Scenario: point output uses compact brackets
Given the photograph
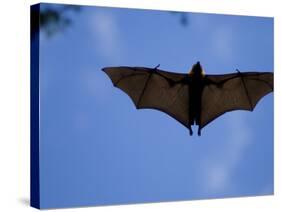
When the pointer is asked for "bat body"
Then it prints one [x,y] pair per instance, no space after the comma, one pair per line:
[193,98]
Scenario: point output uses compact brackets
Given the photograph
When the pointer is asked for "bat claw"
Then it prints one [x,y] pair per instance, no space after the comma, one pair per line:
[238,71]
[156,67]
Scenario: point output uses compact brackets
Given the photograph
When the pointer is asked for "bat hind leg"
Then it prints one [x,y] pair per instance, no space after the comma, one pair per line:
[199,131]
[190,130]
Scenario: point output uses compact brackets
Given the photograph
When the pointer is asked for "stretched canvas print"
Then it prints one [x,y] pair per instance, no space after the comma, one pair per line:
[136,106]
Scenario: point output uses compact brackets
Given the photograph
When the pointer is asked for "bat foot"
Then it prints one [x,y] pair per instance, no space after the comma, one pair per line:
[199,132]
[190,132]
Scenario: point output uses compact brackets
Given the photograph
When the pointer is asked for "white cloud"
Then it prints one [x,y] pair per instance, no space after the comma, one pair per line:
[107,35]
[222,43]
[217,177]
[200,22]
[220,170]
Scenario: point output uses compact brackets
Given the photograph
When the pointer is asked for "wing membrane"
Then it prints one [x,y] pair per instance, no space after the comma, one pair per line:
[238,91]
[154,89]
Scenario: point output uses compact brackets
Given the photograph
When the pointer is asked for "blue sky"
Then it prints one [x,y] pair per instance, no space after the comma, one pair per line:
[96,148]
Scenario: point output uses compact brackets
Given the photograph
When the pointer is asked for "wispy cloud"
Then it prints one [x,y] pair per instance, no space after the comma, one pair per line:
[220,170]
[222,43]
[218,38]
[107,35]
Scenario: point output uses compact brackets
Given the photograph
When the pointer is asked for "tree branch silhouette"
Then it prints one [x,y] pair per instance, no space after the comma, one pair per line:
[55,18]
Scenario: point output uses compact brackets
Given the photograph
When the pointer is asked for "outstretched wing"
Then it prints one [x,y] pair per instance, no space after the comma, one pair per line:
[154,89]
[237,91]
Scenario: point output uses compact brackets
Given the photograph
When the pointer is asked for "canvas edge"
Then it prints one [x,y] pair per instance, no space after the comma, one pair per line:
[34,106]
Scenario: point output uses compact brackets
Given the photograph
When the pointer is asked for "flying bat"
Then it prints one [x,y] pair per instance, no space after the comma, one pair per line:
[194,98]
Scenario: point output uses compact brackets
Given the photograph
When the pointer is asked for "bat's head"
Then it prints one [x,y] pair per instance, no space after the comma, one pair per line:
[197,70]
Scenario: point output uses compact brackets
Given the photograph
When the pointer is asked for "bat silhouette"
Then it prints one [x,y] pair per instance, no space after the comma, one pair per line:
[193,98]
